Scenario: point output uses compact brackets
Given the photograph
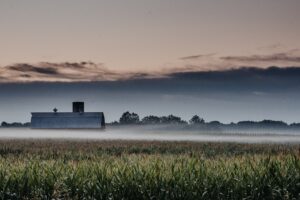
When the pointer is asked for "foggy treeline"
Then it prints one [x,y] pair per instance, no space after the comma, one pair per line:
[14,124]
[196,122]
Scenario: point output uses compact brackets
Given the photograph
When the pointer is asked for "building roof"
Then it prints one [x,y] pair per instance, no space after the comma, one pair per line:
[66,114]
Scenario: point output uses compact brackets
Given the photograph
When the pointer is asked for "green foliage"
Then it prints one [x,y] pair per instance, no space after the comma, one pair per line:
[129,118]
[196,120]
[36,169]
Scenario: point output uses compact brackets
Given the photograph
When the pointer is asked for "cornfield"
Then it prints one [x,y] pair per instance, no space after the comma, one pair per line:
[50,169]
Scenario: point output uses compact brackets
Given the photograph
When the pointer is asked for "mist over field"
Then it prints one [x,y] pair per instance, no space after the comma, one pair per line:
[157,133]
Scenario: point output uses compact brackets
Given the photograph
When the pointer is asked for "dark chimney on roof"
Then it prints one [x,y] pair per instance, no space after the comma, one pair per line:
[78,106]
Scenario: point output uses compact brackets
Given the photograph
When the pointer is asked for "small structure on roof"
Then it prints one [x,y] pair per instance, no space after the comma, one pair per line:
[78,119]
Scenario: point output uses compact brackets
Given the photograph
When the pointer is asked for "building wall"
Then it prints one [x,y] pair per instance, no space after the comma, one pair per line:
[67,120]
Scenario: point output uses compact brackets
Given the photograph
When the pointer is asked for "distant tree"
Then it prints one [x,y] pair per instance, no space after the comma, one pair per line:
[151,119]
[15,124]
[129,118]
[114,123]
[295,125]
[195,120]
[262,124]
[27,124]
[273,123]
[171,119]
[4,124]
[215,123]
[247,124]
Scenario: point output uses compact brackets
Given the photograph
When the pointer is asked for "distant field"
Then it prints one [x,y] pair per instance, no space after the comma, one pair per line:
[78,169]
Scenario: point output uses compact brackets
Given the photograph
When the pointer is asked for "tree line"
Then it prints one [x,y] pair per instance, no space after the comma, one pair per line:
[15,124]
[132,118]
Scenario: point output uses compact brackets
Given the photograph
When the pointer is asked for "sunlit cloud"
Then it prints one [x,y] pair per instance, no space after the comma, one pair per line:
[212,62]
[90,72]
[63,72]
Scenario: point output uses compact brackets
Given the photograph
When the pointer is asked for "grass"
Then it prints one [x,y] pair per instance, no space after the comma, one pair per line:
[73,169]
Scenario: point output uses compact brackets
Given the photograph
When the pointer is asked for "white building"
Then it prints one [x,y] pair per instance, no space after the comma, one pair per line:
[78,119]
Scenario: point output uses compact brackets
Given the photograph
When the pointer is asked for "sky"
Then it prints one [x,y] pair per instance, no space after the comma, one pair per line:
[151,57]
[143,34]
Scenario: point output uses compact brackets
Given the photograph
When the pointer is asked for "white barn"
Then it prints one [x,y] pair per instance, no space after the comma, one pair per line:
[78,119]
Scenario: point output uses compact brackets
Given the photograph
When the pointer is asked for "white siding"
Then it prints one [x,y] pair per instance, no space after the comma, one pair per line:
[67,120]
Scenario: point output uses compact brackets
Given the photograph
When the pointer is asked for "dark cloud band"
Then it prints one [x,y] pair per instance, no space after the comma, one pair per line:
[280,57]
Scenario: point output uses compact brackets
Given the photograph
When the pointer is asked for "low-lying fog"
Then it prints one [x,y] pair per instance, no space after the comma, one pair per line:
[152,133]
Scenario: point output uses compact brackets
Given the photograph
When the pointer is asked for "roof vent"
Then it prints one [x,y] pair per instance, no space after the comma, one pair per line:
[78,107]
